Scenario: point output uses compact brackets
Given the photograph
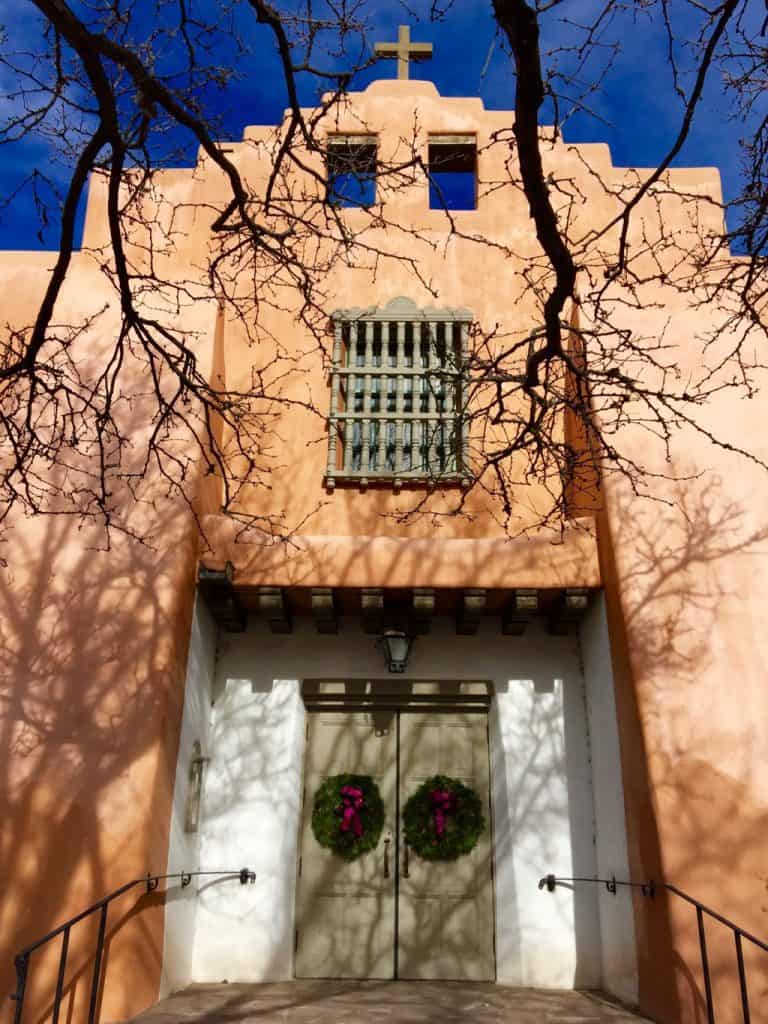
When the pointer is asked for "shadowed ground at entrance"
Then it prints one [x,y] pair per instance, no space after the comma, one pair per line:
[390,1002]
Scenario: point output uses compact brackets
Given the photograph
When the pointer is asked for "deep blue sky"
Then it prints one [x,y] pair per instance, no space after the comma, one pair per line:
[638,113]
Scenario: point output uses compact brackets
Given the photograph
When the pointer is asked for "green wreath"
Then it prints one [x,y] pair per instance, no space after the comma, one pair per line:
[348,815]
[443,819]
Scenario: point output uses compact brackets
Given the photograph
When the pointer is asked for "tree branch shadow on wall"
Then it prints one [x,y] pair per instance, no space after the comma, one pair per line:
[545,815]
[682,569]
[91,642]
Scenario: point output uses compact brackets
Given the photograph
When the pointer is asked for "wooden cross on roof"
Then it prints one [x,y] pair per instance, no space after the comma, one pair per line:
[404,50]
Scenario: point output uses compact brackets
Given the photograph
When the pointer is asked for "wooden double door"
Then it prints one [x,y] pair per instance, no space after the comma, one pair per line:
[391,914]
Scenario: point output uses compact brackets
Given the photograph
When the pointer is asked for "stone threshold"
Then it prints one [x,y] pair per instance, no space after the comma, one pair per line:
[383,1002]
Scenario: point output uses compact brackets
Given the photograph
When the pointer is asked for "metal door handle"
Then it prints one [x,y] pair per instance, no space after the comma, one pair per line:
[386,857]
[405,861]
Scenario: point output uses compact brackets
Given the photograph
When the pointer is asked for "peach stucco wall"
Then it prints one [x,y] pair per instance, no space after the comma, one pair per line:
[94,634]
[94,649]
[95,641]
[686,578]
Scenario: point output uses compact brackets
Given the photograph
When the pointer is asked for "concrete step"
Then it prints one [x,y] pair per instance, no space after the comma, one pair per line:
[383,1002]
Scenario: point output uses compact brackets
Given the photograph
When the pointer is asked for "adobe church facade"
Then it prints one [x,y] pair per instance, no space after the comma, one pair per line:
[175,708]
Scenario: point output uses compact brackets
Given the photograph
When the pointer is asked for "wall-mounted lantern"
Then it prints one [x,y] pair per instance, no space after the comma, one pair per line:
[194,793]
[395,645]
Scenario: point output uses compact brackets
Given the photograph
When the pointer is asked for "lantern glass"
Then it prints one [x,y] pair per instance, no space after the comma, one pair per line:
[396,647]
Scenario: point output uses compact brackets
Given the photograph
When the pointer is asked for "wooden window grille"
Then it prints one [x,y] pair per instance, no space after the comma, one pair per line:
[398,396]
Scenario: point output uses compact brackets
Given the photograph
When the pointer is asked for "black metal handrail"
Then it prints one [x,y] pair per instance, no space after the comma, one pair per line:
[649,889]
[150,882]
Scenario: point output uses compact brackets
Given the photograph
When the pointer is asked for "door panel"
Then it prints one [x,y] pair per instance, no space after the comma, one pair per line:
[446,908]
[346,911]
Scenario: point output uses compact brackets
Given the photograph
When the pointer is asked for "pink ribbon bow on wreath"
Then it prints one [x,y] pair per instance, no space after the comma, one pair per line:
[351,805]
[443,804]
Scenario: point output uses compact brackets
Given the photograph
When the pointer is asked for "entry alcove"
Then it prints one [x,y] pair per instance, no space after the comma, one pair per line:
[555,781]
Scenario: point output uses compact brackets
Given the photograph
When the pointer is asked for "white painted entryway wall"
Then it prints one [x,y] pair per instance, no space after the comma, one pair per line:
[184,847]
[617,920]
[543,794]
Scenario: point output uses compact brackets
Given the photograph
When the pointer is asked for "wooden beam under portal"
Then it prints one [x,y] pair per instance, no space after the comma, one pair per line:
[568,610]
[324,610]
[519,612]
[272,606]
[372,609]
[423,610]
[216,587]
[470,612]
